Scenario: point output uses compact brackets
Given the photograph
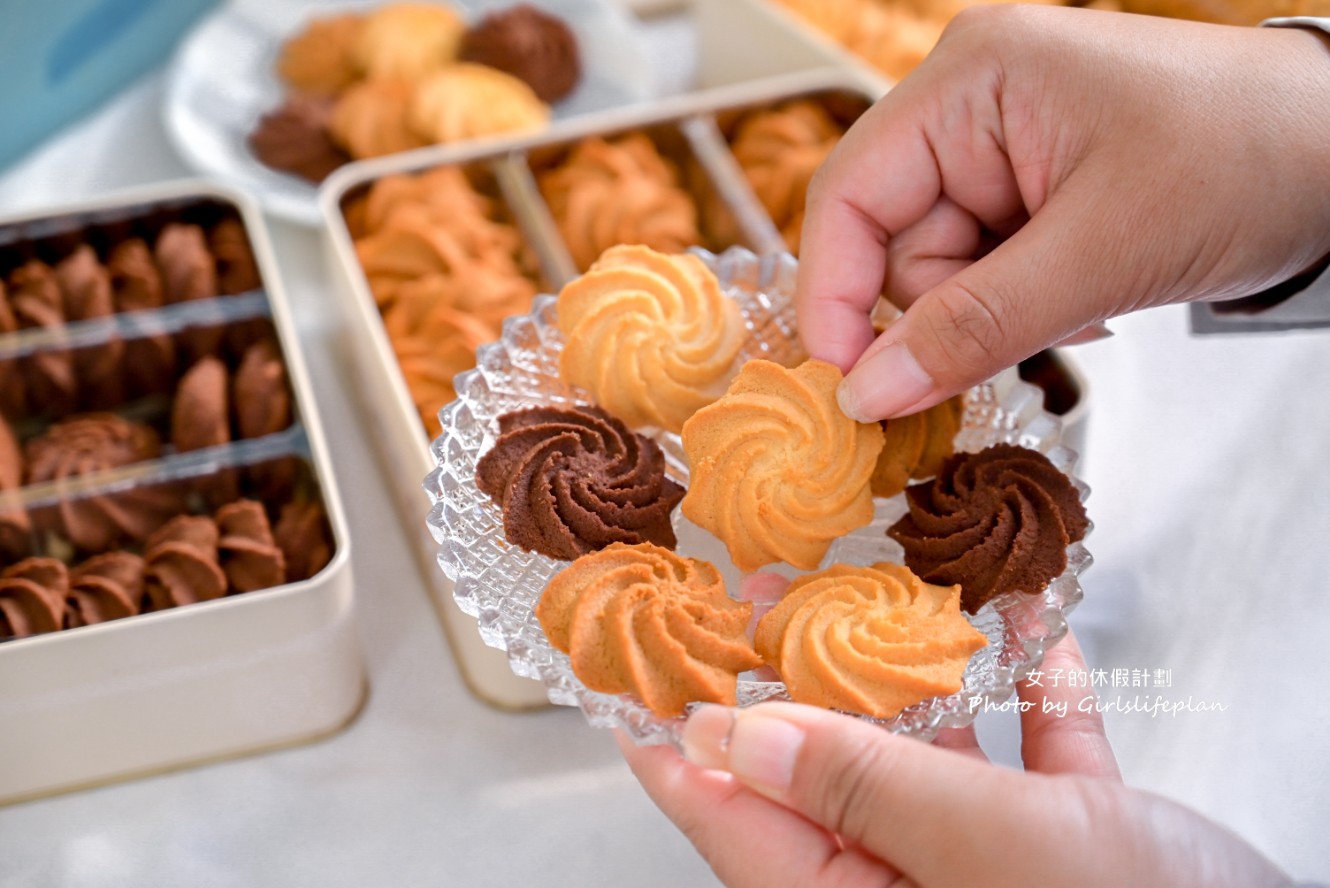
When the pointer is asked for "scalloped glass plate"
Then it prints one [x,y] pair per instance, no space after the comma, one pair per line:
[499,584]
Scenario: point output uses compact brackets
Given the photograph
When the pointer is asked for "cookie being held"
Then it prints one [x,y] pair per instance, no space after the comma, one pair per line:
[778,472]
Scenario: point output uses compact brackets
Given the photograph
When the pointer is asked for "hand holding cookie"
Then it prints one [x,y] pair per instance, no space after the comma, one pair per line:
[1046,169]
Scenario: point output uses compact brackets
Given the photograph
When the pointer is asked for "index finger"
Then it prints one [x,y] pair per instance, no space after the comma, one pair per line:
[849,220]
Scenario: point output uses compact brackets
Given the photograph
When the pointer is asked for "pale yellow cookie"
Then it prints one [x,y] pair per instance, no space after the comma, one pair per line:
[777,471]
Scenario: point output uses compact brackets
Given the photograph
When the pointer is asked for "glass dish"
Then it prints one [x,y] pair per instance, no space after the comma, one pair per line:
[499,584]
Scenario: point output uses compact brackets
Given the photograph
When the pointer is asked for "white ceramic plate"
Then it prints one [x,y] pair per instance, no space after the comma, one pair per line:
[223,79]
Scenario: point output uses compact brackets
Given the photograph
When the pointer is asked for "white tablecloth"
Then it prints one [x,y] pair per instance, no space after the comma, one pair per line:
[1211,503]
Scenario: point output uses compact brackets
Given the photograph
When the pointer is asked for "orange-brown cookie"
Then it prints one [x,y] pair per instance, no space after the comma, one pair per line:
[320,60]
[777,471]
[916,445]
[619,191]
[641,620]
[872,640]
[431,349]
[369,119]
[407,41]
[468,101]
[649,335]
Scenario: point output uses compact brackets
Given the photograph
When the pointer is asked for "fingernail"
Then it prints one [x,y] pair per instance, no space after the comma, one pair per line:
[763,751]
[706,736]
[1093,333]
[883,384]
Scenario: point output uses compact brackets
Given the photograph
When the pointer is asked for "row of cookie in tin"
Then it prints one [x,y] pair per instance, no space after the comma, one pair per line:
[151,449]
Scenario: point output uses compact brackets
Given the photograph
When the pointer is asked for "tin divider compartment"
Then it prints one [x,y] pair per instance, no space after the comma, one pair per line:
[729,186]
[844,105]
[719,225]
[234,323]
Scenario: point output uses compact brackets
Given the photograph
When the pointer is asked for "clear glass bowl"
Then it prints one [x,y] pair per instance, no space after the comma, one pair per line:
[499,584]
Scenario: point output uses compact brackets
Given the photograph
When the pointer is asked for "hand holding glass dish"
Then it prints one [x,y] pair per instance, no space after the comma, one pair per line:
[736,331]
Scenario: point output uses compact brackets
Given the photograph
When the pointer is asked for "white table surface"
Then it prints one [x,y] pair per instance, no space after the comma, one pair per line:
[1208,462]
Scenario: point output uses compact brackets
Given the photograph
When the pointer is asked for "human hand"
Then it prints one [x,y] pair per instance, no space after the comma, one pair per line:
[786,795]
[1048,168]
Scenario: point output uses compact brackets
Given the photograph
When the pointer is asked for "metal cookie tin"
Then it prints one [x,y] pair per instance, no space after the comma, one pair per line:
[200,681]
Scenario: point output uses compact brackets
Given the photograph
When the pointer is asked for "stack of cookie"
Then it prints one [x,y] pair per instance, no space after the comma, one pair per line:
[445,269]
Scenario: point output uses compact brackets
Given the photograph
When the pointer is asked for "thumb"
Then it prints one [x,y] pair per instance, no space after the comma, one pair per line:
[1047,282]
[938,817]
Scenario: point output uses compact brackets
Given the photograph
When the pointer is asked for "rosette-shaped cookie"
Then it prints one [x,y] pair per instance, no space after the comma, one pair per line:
[574,480]
[296,138]
[406,41]
[136,285]
[181,559]
[15,526]
[995,521]
[370,119]
[89,442]
[779,150]
[320,60]
[444,191]
[249,556]
[650,336]
[641,620]
[32,597]
[105,587]
[303,536]
[872,640]
[619,192]
[86,288]
[48,375]
[237,272]
[778,472]
[916,445]
[467,101]
[431,349]
[488,293]
[415,245]
[200,413]
[533,46]
[260,392]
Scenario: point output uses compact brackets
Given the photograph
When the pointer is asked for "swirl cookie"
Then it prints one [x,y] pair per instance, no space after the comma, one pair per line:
[32,597]
[916,445]
[406,41]
[995,521]
[644,621]
[572,481]
[320,60]
[778,471]
[467,101]
[779,151]
[651,336]
[619,191]
[872,640]
[370,119]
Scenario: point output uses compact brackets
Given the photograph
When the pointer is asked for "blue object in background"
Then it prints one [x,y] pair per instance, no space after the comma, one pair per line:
[60,58]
